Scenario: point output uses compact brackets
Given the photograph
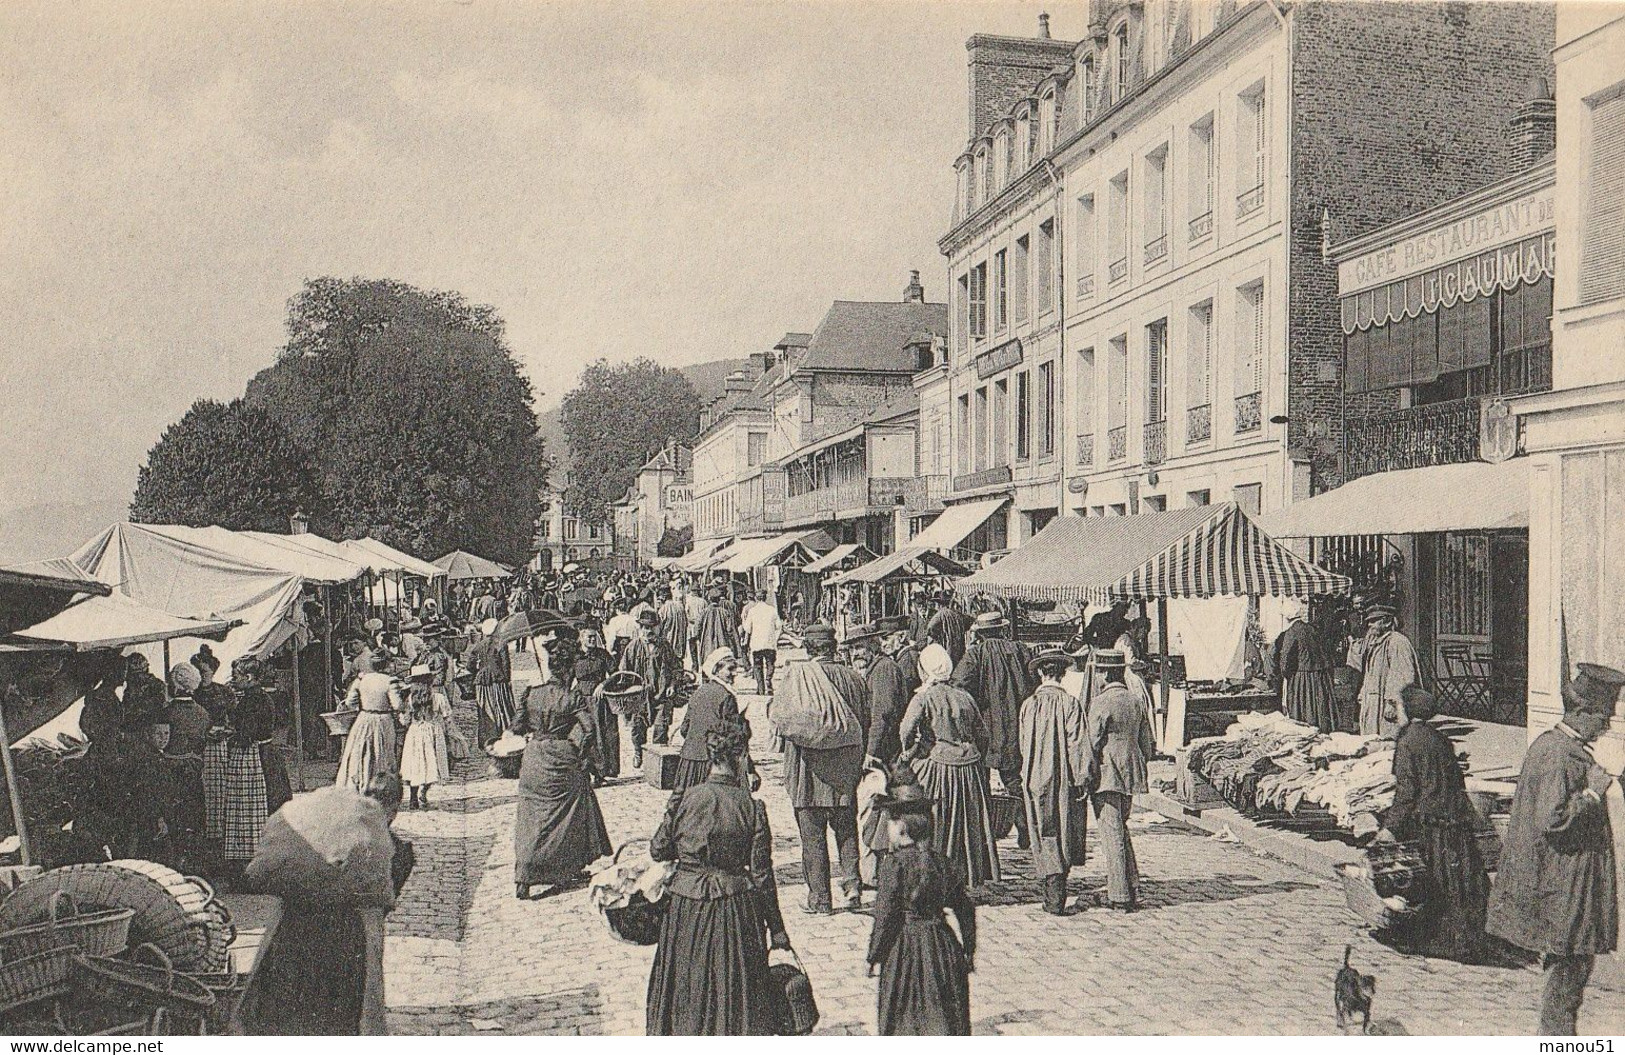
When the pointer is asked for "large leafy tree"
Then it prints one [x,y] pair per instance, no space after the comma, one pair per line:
[417,417]
[613,420]
[229,464]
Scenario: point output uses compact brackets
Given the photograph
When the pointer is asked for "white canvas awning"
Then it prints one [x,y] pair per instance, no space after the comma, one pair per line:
[955,523]
[95,622]
[1473,496]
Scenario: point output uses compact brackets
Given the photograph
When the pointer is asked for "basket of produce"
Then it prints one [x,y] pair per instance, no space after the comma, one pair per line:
[1387,888]
[133,987]
[171,911]
[39,976]
[631,893]
[506,752]
[101,933]
[1002,811]
[339,723]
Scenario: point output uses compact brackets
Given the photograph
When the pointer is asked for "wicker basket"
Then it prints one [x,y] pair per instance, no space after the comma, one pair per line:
[637,922]
[140,988]
[228,987]
[104,933]
[37,977]
[795,1010]
[1002,813]
[1360,891]
[340,722]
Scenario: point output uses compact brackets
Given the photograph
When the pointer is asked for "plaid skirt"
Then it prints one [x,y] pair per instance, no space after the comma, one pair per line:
[234,799]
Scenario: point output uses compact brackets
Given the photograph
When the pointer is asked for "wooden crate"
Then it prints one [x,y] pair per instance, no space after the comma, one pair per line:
[660,766]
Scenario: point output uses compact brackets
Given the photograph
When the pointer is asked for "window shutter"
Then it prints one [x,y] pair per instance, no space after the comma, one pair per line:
[1257,297]
[1200,364]
[1260,137]
[1156,353]
[1602,247]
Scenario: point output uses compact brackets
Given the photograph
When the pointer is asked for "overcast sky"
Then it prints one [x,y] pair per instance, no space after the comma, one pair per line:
[680,180]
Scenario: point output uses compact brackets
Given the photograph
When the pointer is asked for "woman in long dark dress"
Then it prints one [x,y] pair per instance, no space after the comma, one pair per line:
[1432,810]
[712,704]
[1303,665]
[558,829]
[944,730]
[710,970]
[488,660]
[592,666]
[924,968]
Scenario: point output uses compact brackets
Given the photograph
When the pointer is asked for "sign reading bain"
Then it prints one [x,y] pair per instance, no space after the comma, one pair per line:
[1508,222]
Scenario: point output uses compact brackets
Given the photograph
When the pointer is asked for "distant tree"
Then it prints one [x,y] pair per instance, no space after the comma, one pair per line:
[612,420]
[229,464]
[675,542]
[421,426]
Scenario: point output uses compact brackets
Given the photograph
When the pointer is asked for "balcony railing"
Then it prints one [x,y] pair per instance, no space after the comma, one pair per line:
[1086,449]
[1202,226]
[923,494]
[851,498]
[1156,250]
[1086,285]
[1117,444]
[1199,423]
[1118,270]
[1156,442]
[1249,201]
[1249,412]
[999,474]
[1435,434]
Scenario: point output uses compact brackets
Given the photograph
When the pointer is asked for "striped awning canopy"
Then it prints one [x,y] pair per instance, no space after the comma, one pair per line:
[1208,551]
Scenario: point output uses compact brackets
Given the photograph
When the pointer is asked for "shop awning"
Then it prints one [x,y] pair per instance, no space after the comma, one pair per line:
[461,565]
[955,523]
[704,555]
[56,573]
[381,558]
[835,556]
[1207,551]
[909,562]
[1472,496]
[112,622]
[756,552]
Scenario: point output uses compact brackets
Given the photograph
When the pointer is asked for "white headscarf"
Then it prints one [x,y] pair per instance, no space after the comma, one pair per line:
[935,664]
[708,669]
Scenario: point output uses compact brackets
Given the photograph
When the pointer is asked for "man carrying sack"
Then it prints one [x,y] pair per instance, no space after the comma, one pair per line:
[821,713]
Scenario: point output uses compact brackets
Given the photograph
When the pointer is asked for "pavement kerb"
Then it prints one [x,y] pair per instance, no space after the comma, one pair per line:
[1317,858]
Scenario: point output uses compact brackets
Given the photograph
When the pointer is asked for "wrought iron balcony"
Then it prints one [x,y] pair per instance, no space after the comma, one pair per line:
[1156,442]
[1199,423]
[1117,444]
[999,474]
[1435,434]
[1086,286]
[1249,201]
[1086,449]
[1249,412]
[1202,226]
[1118,270]
[848,499]
[1156,250]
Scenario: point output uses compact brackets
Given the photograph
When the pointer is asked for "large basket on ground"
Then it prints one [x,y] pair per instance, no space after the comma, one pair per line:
[39,976]
[100,933]
[1389,870]
[1002,811]
[339,723]
[131,988]
[171,911]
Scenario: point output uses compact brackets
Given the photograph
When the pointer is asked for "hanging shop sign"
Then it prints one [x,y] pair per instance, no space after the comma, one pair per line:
[997,360]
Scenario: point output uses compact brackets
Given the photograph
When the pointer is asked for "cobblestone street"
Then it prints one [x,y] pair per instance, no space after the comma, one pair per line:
[1229,942]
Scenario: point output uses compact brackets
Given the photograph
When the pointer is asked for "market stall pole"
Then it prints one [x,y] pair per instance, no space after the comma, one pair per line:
[298,723]
[14,792]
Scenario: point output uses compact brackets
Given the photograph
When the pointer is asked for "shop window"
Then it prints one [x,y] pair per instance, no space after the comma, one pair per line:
[1463,576]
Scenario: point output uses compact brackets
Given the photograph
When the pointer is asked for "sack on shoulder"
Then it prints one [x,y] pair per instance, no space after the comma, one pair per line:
[810,711]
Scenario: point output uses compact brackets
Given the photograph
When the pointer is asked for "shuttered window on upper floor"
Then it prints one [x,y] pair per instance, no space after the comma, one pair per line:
[1602,244]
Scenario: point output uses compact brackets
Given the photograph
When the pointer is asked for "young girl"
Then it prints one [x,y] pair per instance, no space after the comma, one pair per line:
[423,752]
[924,968]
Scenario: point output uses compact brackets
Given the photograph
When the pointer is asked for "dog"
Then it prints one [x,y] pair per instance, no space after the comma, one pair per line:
[1352,993]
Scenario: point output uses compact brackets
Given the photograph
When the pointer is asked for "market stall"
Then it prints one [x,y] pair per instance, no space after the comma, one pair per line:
[1199,553]
[883,586]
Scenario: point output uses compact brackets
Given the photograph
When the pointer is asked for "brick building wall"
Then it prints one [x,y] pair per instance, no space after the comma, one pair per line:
[1005,70]
[1396,108]
[840,401]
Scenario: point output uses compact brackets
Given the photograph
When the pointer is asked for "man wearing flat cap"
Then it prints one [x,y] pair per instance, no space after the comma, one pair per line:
[1555,890]
[649,657]
[1387,664]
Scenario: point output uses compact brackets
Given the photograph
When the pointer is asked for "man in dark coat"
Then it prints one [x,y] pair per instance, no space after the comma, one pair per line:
[1554,893]
[718,626]
[1106,627]
[994,671]
[1120,742]
[948,626]
[823,785]
[888,686]
[673,621]
[650,658]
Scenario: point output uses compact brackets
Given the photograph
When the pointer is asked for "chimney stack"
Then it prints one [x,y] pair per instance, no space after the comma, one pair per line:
[914,293]
[1043,25]
[1533,130]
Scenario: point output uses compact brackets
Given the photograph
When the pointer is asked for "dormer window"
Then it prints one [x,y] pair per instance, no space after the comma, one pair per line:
[1086,89]
[1001,160]
[1024,142]
[984,174]
[1046,123]
[1120,50]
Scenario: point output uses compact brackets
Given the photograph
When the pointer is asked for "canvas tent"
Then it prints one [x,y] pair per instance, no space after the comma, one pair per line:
[459,565]
[115,621]
[385,559]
